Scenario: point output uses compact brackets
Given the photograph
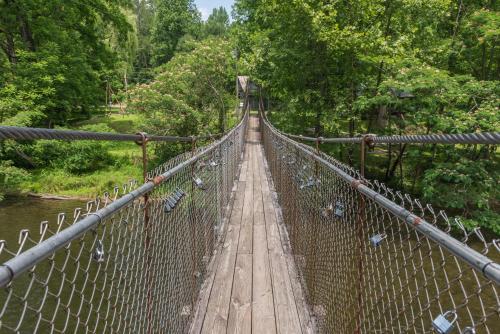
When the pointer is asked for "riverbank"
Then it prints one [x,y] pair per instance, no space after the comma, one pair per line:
[63,183]
[78,170]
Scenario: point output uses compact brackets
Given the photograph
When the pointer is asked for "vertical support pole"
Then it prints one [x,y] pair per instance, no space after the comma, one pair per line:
[366,140]
[193,228]
[315,224]
[362,157]
[147,229]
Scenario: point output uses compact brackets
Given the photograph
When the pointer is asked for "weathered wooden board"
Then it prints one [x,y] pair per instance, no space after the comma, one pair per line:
[253,287]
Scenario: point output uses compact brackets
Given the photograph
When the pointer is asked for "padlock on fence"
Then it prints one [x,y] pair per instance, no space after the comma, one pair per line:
[167,208]
[339,209]
[377,239]
[199,183]
[444,323]
[98,254]
[469,330]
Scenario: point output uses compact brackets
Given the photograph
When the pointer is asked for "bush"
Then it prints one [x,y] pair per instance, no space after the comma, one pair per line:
[86,157]
[11,177]
[76,157]
[468,187]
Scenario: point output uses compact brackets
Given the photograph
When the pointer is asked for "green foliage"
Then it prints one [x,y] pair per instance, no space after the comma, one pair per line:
[340,68]
[59,181]
[144,16]
[11,177]
[191,94]
[173,20]
[54,54]
[217,23]
[467,187]
[464,184]
[75,157]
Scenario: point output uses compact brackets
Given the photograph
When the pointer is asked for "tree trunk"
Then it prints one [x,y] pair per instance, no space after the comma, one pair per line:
[350,151]
[398,161]
[9,49]
[26,34]
[454,32]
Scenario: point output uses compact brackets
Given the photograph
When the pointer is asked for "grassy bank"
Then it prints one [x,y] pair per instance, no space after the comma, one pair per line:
[123,163]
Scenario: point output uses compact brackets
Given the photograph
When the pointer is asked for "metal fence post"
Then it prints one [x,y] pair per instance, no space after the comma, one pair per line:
[147,241]
[366,140]
[315,223]
[194,222]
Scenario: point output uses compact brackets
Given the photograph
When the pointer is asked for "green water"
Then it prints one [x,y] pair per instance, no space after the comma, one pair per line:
[17,213]
[27,213]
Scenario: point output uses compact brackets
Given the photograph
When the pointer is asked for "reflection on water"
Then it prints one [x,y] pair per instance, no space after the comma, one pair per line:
[17,213]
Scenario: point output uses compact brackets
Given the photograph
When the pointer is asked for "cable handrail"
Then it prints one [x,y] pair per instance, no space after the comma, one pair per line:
[27,133]
[489,138]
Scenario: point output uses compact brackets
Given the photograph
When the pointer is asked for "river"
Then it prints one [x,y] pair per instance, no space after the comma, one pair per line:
[17,213]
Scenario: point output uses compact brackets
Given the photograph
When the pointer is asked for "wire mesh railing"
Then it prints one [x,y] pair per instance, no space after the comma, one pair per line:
[132,261]
[372,260]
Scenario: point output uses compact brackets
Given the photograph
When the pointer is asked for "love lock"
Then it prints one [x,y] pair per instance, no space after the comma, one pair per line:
[98,255]
[167,207]
[180,192]
[309,183]
[377,239]
[176,196]
[444,323]
[199,183]
[326,212]
[172,201]
[339,209]
[469,330]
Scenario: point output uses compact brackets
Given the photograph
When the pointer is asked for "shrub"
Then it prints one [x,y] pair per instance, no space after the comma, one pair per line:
[11,177]
[76,157]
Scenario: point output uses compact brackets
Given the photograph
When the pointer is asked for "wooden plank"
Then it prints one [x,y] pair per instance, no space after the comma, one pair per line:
[255,288]
[205,292]
[258,208]
[218,306]
[286,291]
[238,203]
[287,318]
[240,312]
[244,164]
[246,234]
[263,317]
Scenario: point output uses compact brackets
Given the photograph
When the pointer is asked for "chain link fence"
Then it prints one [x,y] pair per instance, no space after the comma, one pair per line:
[374,260]
[132,261]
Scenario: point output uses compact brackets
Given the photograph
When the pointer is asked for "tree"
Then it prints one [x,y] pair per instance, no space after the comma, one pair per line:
[217,23]
[53,55]
[191,94]
[386,67]
[173,20]
[144,13]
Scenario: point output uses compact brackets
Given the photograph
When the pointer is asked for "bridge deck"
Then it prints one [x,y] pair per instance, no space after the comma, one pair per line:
[253,287]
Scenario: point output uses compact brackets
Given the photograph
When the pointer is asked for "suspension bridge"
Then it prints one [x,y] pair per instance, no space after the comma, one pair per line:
[253,233]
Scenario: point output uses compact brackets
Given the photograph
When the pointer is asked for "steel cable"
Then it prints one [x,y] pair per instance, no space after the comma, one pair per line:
[24,133]
[491,138]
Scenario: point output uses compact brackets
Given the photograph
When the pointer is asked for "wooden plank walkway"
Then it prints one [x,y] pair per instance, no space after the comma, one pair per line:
[253,286]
